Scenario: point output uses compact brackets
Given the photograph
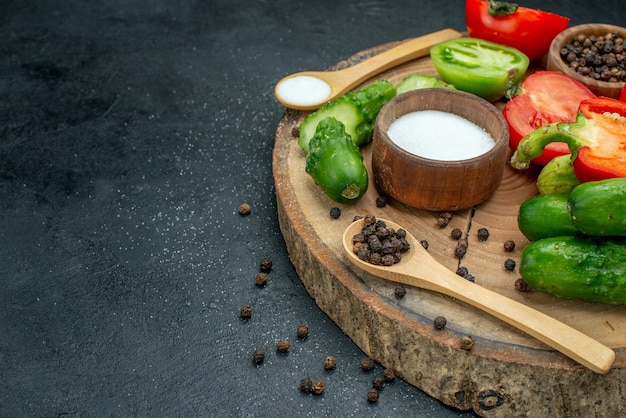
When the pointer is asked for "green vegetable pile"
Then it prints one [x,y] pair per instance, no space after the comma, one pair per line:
[578,242]
[356,110]
[331,136]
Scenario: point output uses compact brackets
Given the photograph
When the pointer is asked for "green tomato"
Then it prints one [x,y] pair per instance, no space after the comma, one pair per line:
[479,67]
[420,81]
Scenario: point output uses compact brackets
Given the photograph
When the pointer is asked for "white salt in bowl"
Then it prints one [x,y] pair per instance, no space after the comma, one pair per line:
[439,149]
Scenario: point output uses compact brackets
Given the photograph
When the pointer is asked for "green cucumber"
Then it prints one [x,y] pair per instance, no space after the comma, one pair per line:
[335,163]
[545,215]
[599,207]
[585,268]
[356,110]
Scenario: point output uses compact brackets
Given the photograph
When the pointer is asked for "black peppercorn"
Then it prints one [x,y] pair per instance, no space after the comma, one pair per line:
[383,233]
[462,271]
[467,343]
[509,264]
[444,219]
[459,252]
[509,245]
[282,346]
[483,234]
[389,375]
[381,202]
[424,244]
[358,238]
[302,331]
[245,209]
[469,278]
[372,395]
[318,387]
[369,219]
[245,312]
[521,285]
[463,243]
[378,382]
[261,279]
[335,213]
[306,385]
[367,363]
[440,322]
[388,260]
[266,265]
[442,222]
[330,363]
[456,233]
[258,356]
[400,292]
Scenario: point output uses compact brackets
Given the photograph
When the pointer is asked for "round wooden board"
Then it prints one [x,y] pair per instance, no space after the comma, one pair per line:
[507,373]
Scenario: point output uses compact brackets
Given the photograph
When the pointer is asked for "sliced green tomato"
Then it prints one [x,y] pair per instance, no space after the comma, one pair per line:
[479,67]
[421,81]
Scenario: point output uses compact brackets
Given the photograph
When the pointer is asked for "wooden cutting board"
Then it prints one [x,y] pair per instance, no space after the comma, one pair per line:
[507,373]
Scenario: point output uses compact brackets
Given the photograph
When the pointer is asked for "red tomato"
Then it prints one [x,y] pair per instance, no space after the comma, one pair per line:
[529,30]
[544,97]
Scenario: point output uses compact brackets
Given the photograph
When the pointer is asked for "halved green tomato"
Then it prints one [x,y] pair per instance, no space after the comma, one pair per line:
[479,67]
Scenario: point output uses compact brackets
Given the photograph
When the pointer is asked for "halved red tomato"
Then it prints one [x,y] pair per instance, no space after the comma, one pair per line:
[529,30]
[544,97]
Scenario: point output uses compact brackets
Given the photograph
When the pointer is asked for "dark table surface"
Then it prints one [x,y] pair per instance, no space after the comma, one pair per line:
[131,131]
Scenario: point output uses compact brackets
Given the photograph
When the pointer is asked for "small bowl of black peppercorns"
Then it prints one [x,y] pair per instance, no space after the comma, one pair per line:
[594,54]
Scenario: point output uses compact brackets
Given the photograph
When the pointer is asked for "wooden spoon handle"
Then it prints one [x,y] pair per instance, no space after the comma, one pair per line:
[404,52]
[562,337]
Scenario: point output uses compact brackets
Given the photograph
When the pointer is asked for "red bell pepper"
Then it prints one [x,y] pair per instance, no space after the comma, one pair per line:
[596,140]
[529,30]
[544,97]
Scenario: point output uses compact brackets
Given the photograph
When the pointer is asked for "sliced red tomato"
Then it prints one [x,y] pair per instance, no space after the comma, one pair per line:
[529,30]
[544,97]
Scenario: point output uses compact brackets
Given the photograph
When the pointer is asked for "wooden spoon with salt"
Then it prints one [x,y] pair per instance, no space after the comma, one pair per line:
[418,268]
[308,90]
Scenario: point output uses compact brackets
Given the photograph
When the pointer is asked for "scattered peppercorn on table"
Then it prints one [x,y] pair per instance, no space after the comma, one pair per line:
[475,361]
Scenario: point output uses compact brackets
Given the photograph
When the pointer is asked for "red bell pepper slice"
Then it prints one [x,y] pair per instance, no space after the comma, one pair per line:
[529,30]
[596,140]
[544,97]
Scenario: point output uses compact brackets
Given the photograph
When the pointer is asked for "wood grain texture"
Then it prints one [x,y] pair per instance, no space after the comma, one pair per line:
[507,373]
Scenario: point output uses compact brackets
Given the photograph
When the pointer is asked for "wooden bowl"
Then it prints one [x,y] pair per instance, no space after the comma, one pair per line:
[556,63]
[435,184]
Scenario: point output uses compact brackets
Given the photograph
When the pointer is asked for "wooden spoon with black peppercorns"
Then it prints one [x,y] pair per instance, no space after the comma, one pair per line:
[418,268]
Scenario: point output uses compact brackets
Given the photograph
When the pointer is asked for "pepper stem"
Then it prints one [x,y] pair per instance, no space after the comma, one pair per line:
[532,145]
